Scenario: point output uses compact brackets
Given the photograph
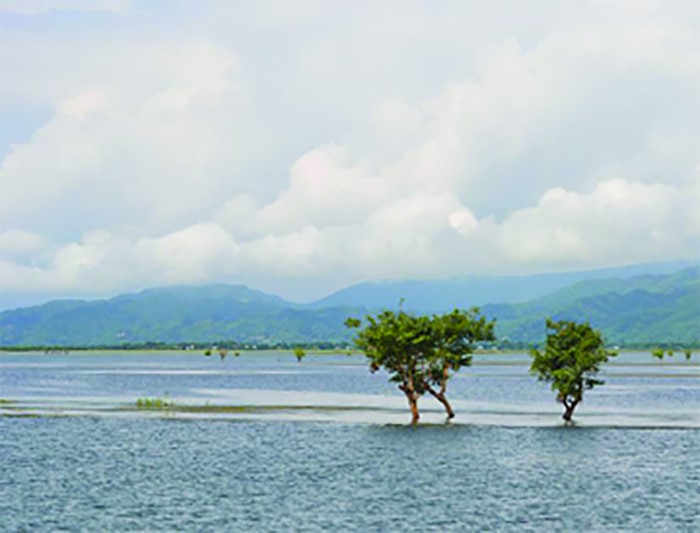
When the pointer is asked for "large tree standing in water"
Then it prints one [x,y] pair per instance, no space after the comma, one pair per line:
[421,353]
[570,361]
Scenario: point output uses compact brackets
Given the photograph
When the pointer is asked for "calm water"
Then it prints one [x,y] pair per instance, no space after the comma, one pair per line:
[331,450]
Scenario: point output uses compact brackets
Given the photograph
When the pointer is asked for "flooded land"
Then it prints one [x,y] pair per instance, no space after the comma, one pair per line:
[262,441]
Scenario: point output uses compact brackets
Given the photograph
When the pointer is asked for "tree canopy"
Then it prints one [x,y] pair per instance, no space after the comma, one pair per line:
[570,361]
[420,353]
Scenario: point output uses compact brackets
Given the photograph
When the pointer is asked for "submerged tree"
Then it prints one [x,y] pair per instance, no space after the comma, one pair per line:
[421,353]
[571,359]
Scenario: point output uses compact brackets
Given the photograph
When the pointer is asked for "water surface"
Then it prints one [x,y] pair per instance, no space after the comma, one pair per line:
[263,443]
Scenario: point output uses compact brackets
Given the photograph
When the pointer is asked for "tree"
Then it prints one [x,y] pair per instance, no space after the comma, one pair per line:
[570,361]
[299,353]
[454,338]
[421,353]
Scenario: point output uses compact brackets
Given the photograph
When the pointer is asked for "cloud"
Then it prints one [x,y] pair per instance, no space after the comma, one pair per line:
[135,154]
[424,235]
[33,7]
[303,153]
[16,242]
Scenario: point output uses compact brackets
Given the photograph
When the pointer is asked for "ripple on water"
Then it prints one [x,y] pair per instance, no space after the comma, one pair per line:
[118,474]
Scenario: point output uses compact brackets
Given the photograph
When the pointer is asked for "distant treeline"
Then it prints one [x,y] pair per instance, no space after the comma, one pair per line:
[502,345]
[183,346]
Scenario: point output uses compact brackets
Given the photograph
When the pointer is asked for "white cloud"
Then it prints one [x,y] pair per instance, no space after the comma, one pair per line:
[16,242]
[33,7]
[424,235]
[304,153]
[136,154]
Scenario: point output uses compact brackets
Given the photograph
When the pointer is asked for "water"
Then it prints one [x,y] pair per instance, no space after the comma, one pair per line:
[323,445]
[497,390]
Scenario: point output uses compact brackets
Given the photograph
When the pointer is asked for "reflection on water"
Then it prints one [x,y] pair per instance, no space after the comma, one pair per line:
[497,390]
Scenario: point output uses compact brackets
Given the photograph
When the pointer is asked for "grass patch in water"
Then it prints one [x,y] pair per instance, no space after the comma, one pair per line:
[153,403]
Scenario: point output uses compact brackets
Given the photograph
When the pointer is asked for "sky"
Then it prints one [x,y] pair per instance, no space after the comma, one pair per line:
[300,146]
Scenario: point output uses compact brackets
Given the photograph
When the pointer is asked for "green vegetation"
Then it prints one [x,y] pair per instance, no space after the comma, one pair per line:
[644,311]
[659,353]
[659,311]
[421,353]
[571,359]
[153,403]
[299,353]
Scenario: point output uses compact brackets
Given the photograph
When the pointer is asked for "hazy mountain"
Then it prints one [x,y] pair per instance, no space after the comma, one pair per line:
[646,308]
[441,295]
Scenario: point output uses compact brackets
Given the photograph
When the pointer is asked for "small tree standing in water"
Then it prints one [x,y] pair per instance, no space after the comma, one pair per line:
[421,353]
[299,353]
[571,359]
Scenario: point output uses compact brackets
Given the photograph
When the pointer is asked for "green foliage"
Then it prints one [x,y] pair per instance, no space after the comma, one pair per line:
[658,353]
[570,361]
[207,352]
[299,353]
[420,353]
[153,403]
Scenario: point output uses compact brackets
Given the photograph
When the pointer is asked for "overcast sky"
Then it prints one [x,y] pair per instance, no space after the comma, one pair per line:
[299,146]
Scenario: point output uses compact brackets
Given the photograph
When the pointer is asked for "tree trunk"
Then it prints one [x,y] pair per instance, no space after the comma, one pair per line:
[440,396]
[569,410]
[413,404]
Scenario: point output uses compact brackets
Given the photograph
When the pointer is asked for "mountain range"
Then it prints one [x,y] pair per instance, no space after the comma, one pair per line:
[640,304]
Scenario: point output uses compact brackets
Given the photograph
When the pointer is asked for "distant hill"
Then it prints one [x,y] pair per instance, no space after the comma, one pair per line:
[643,309]
[637,309]
[442,295]
[180,314]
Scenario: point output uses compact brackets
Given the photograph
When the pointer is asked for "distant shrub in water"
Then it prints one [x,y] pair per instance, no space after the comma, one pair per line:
[659,353]
[153,403]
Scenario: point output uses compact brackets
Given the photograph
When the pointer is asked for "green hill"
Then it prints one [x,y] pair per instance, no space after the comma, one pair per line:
[181,314]
[639,309]
[643,309]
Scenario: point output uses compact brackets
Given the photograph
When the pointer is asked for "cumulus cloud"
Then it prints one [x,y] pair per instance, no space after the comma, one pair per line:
[323,158]
[16,242]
